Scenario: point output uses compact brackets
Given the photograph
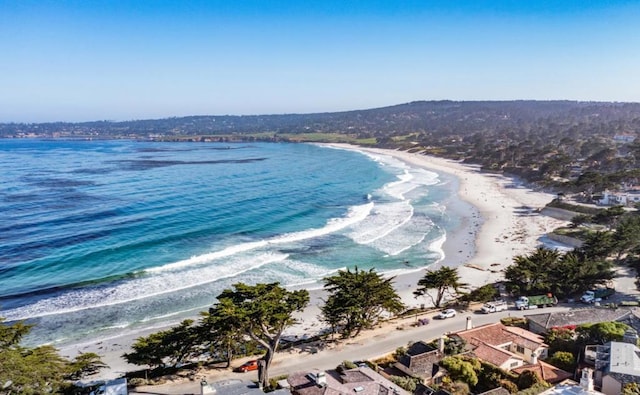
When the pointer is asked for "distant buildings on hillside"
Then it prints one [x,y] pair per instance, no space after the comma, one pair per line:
[626,198]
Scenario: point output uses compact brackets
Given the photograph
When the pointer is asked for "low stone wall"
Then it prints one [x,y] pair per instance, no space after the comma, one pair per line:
[558,213]
[567,240]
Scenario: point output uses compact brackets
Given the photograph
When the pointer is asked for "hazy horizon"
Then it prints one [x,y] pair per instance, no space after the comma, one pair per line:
[312,113]
[78,61]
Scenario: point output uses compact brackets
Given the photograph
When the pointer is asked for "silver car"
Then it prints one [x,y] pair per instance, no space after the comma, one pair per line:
[448,313]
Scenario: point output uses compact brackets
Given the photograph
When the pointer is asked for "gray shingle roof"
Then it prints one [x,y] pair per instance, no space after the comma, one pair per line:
[579,317]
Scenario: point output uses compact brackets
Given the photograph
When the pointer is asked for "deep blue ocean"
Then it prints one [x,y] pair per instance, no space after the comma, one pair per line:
[106,237]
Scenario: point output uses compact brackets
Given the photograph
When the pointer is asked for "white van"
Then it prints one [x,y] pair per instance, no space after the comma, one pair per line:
[492,307]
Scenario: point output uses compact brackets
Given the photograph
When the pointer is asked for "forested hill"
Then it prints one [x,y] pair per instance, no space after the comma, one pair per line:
[428,119]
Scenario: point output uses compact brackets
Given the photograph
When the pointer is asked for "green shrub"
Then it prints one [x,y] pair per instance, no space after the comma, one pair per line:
[509,386]
[514,321]
[483,294]
[406,383]
[273,382]
[564,360]
[461,370]
[400,352]
[137,382]
[349,364]
[528,379]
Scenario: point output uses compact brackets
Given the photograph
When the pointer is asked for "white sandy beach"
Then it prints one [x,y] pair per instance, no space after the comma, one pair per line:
[509,225]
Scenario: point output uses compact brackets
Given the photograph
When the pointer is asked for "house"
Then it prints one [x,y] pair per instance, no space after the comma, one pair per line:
[498,356]
[570,387]
[496,391]
[625,198]
[624,138]
[235,387]
[543,322]
[361,381]
[547,372]
[617,363]
[504,346]
[422,389]
[421,360]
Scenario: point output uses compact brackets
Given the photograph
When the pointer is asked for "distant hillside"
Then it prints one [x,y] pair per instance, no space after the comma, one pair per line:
[435,118]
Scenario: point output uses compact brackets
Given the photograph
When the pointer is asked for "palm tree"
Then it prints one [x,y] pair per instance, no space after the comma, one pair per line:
[530,273]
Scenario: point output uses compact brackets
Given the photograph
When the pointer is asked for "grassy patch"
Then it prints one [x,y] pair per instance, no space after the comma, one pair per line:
[327,138]
[577,233]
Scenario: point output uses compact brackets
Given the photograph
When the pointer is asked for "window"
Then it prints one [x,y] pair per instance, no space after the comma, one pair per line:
[520,349]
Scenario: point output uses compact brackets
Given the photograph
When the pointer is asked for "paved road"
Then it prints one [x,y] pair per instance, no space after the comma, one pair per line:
[625,284]
[365,349]
[372,347]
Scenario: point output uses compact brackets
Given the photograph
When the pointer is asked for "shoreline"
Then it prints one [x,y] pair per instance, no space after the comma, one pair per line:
[502,225]
[508,224]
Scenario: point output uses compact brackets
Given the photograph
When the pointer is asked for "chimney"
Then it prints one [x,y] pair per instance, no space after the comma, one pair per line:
[469,323]
[534,358]
[586,381]
[206,388]
[441,344]
[321,379]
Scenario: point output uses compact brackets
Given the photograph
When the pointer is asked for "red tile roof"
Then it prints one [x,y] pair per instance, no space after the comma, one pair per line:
[548,373]
[493,355]
[497,334]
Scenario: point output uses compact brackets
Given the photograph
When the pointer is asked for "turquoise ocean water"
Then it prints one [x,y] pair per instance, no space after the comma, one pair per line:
[99,238]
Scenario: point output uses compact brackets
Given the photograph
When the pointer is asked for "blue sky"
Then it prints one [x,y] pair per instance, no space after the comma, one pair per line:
[127,59]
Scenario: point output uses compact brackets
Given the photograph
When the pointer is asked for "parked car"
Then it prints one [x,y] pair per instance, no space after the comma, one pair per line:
[495,306]
[448,313]
[248,366]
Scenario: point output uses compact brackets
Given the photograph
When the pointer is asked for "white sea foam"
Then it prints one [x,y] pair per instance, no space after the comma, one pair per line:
[305,269]
[385,160]
[116,326]
[354,215]
[408,246]
[165,316]
[141,287]
[393,227]
[408,179]
[207,258]
[295,273]
[315,282]
[436,246]
[230,262]
[398,189]
[404,237]
[384,219]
